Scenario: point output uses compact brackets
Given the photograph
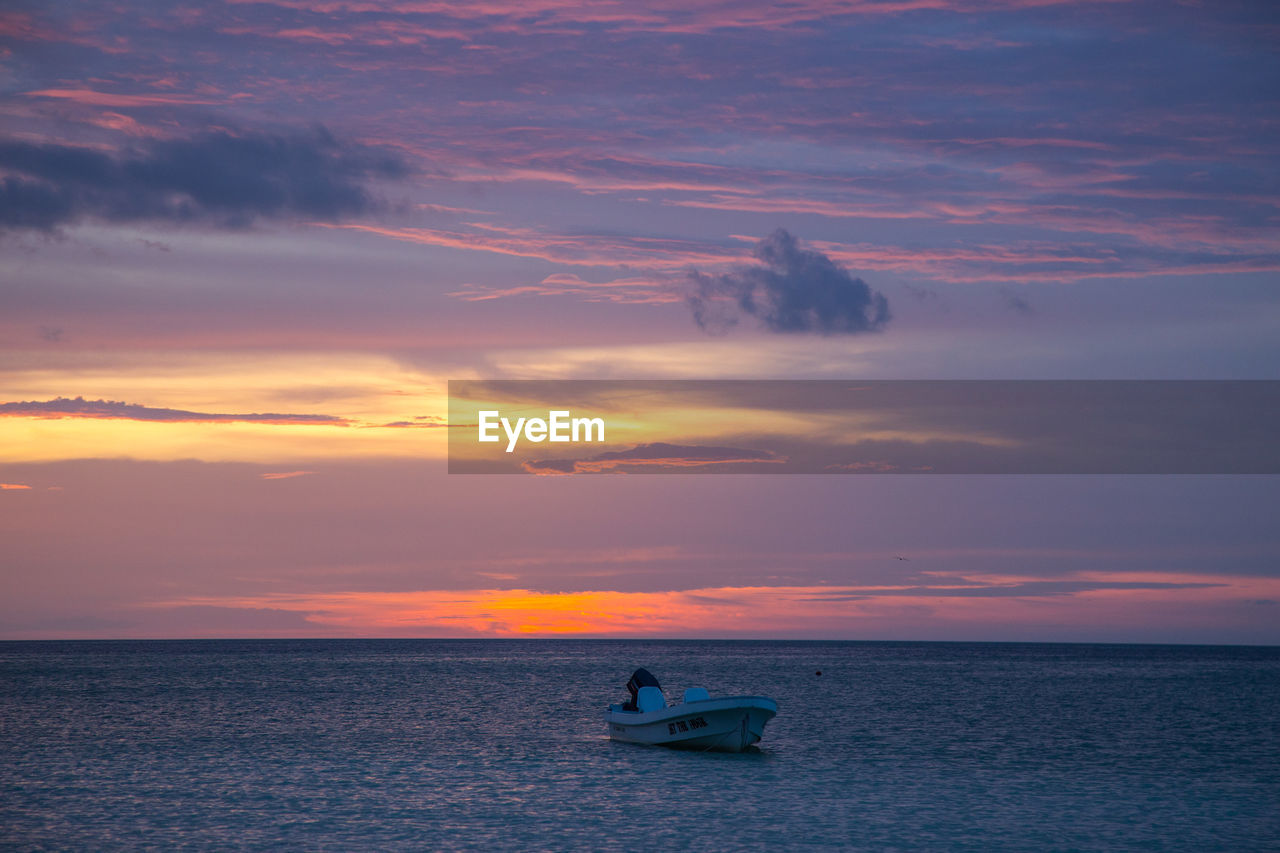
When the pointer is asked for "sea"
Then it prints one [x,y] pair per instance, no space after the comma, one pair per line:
[501,745]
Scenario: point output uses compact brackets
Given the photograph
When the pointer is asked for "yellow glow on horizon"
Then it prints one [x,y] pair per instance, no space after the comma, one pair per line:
[367,391]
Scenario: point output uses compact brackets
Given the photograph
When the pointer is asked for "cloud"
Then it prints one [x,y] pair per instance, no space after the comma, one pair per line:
[65,407]
[418,422]
[960,587]
[284,475]
[4,487]
[202,620]
[528,18]
[112,99]
[226,179]
[632,290]
[792,290]
[609,250]
[657,455]
[1016,302]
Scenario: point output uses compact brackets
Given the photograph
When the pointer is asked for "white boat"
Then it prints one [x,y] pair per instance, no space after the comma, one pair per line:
[725,724]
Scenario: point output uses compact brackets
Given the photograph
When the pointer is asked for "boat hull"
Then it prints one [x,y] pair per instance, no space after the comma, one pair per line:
[726,724]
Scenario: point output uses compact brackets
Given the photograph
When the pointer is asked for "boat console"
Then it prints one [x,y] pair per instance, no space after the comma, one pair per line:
[639,680]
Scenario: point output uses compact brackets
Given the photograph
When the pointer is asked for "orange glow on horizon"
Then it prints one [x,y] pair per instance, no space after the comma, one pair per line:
[737,611]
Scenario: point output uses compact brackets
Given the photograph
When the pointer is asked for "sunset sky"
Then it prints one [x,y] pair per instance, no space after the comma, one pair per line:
[245,245]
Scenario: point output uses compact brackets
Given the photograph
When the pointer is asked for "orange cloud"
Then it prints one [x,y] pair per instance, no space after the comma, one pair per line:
[8,486]
[284,475]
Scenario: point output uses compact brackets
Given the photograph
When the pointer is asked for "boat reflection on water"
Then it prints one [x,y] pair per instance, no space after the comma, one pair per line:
[723,724]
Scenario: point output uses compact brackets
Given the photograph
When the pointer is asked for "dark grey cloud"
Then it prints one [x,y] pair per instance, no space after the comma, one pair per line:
[792,290]
[226,179]
[1016,302]
[78,407]
[923,294]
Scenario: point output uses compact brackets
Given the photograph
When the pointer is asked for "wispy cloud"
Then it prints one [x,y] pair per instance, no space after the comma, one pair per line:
[78,407]
[566,248]
[632,291]
[661,16]
[656,456]
[95,98]
[418,422]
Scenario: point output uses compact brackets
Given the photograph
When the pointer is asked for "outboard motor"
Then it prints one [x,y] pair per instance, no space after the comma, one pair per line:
[640,678]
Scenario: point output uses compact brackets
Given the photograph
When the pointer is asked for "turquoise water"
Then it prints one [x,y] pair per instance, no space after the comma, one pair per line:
[499,745]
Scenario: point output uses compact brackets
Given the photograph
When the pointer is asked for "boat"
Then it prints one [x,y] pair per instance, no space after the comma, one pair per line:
[723,724]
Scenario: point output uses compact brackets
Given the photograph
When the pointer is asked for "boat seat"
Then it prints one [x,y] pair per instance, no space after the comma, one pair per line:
[650,699]
[693,694]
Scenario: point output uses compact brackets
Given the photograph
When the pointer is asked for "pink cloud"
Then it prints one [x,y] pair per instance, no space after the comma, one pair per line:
[1017,262]
[621,290]
[801,205]
[666,16]
[301,34]
[574,249]
[124,124]
[109,99]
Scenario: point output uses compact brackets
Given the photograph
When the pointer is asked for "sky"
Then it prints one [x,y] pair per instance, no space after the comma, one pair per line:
[244,246]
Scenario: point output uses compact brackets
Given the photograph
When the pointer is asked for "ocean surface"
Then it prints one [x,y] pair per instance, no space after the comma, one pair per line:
[500,745]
